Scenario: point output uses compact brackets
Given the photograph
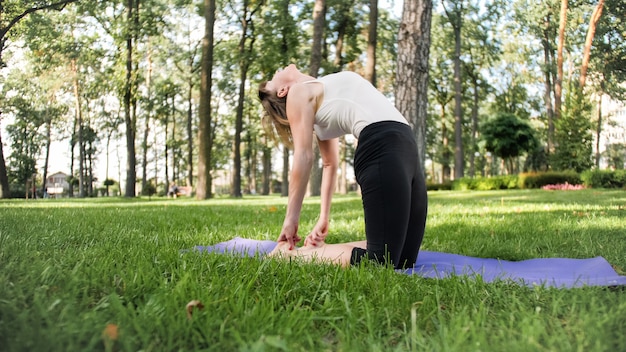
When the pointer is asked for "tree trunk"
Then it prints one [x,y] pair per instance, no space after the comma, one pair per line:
[81,142]
[236,188]
[319,19]
[445,142]
[267,170]
[4,180]
[190,135]
[547,96]
[131,161]
[558,84]
[459,157]
[412,68]
[246,44]
[474,132]
[167,145]
[146,130]
[372,39]
[47,157]
[205,139]
[599,126]
[173,142]
[593,22]
[284,189]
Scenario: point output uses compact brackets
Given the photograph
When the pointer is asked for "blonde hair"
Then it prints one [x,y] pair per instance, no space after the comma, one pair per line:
[275,119]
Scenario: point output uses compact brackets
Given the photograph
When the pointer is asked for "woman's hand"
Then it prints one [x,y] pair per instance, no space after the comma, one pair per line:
[318,234]
[289,234]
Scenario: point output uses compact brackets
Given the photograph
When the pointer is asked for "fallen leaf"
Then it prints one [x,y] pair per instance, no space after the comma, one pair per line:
[191,305]
[110,332]
[109,336]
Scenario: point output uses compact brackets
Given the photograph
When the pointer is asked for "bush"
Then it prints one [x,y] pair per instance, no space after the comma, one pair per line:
[540,179]
[604,178]
[485,183]
[446,186]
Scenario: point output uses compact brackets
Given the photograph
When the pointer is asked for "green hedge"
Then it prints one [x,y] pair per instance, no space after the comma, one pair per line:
[540,179]
[590,178]
[485,183]
[604,178]
[446,186]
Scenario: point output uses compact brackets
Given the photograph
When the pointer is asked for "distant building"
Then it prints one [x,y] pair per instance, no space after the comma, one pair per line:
[612,144]
[57,185]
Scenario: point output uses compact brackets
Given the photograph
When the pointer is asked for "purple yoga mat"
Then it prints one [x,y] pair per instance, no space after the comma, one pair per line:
[552,272]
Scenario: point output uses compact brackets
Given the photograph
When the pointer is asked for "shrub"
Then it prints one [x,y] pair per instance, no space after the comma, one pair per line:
[485,183]
[604,178]
[540,179]
[446,186]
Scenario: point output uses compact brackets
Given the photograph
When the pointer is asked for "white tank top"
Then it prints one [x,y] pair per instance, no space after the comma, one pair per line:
[350,104]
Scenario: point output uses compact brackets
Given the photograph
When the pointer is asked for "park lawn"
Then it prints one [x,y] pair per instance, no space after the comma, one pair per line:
[112,274]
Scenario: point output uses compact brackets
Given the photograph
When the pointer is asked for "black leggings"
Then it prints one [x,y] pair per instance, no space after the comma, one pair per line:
[394,196]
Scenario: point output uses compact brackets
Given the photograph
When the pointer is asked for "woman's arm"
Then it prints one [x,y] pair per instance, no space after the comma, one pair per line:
[329,150]
[301,105]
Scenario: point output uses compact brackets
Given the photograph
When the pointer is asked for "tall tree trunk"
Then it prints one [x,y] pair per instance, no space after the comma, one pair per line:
[445,142]
[174,143]
[593,22]
[246,44]
[372,39]
[167,145]
[47,157]
[338,63]
[4,180]
[284,189]
[236,181]
[342,182]
[412,68]
[319,19]
[558,84]
[547,95]
[599,125]
[79,119]
[474,132]
[267,170]
[146,130]
[131,160]
[190,135]
[456,19]
[205,139]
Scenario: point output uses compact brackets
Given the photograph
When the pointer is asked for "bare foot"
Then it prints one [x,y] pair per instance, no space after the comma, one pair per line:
[281,249]
[312,245]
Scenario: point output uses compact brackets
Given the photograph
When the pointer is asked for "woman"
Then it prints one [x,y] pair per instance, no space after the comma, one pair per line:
[385,162]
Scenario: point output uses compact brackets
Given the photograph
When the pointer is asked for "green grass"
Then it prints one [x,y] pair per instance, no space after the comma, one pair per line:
[70,267]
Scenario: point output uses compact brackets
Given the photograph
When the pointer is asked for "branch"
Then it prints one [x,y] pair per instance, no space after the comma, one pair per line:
[60,5]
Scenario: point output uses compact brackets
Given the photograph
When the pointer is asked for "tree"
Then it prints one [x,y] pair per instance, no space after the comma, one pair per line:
[595,18]
[482,49]
[205,133]
[372,40]
[455,17]
[245,53]
[19,9]
[508,137]
[573,133]
[608,64]
[412,68]
[319,19]
[558,85]
[441,94]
